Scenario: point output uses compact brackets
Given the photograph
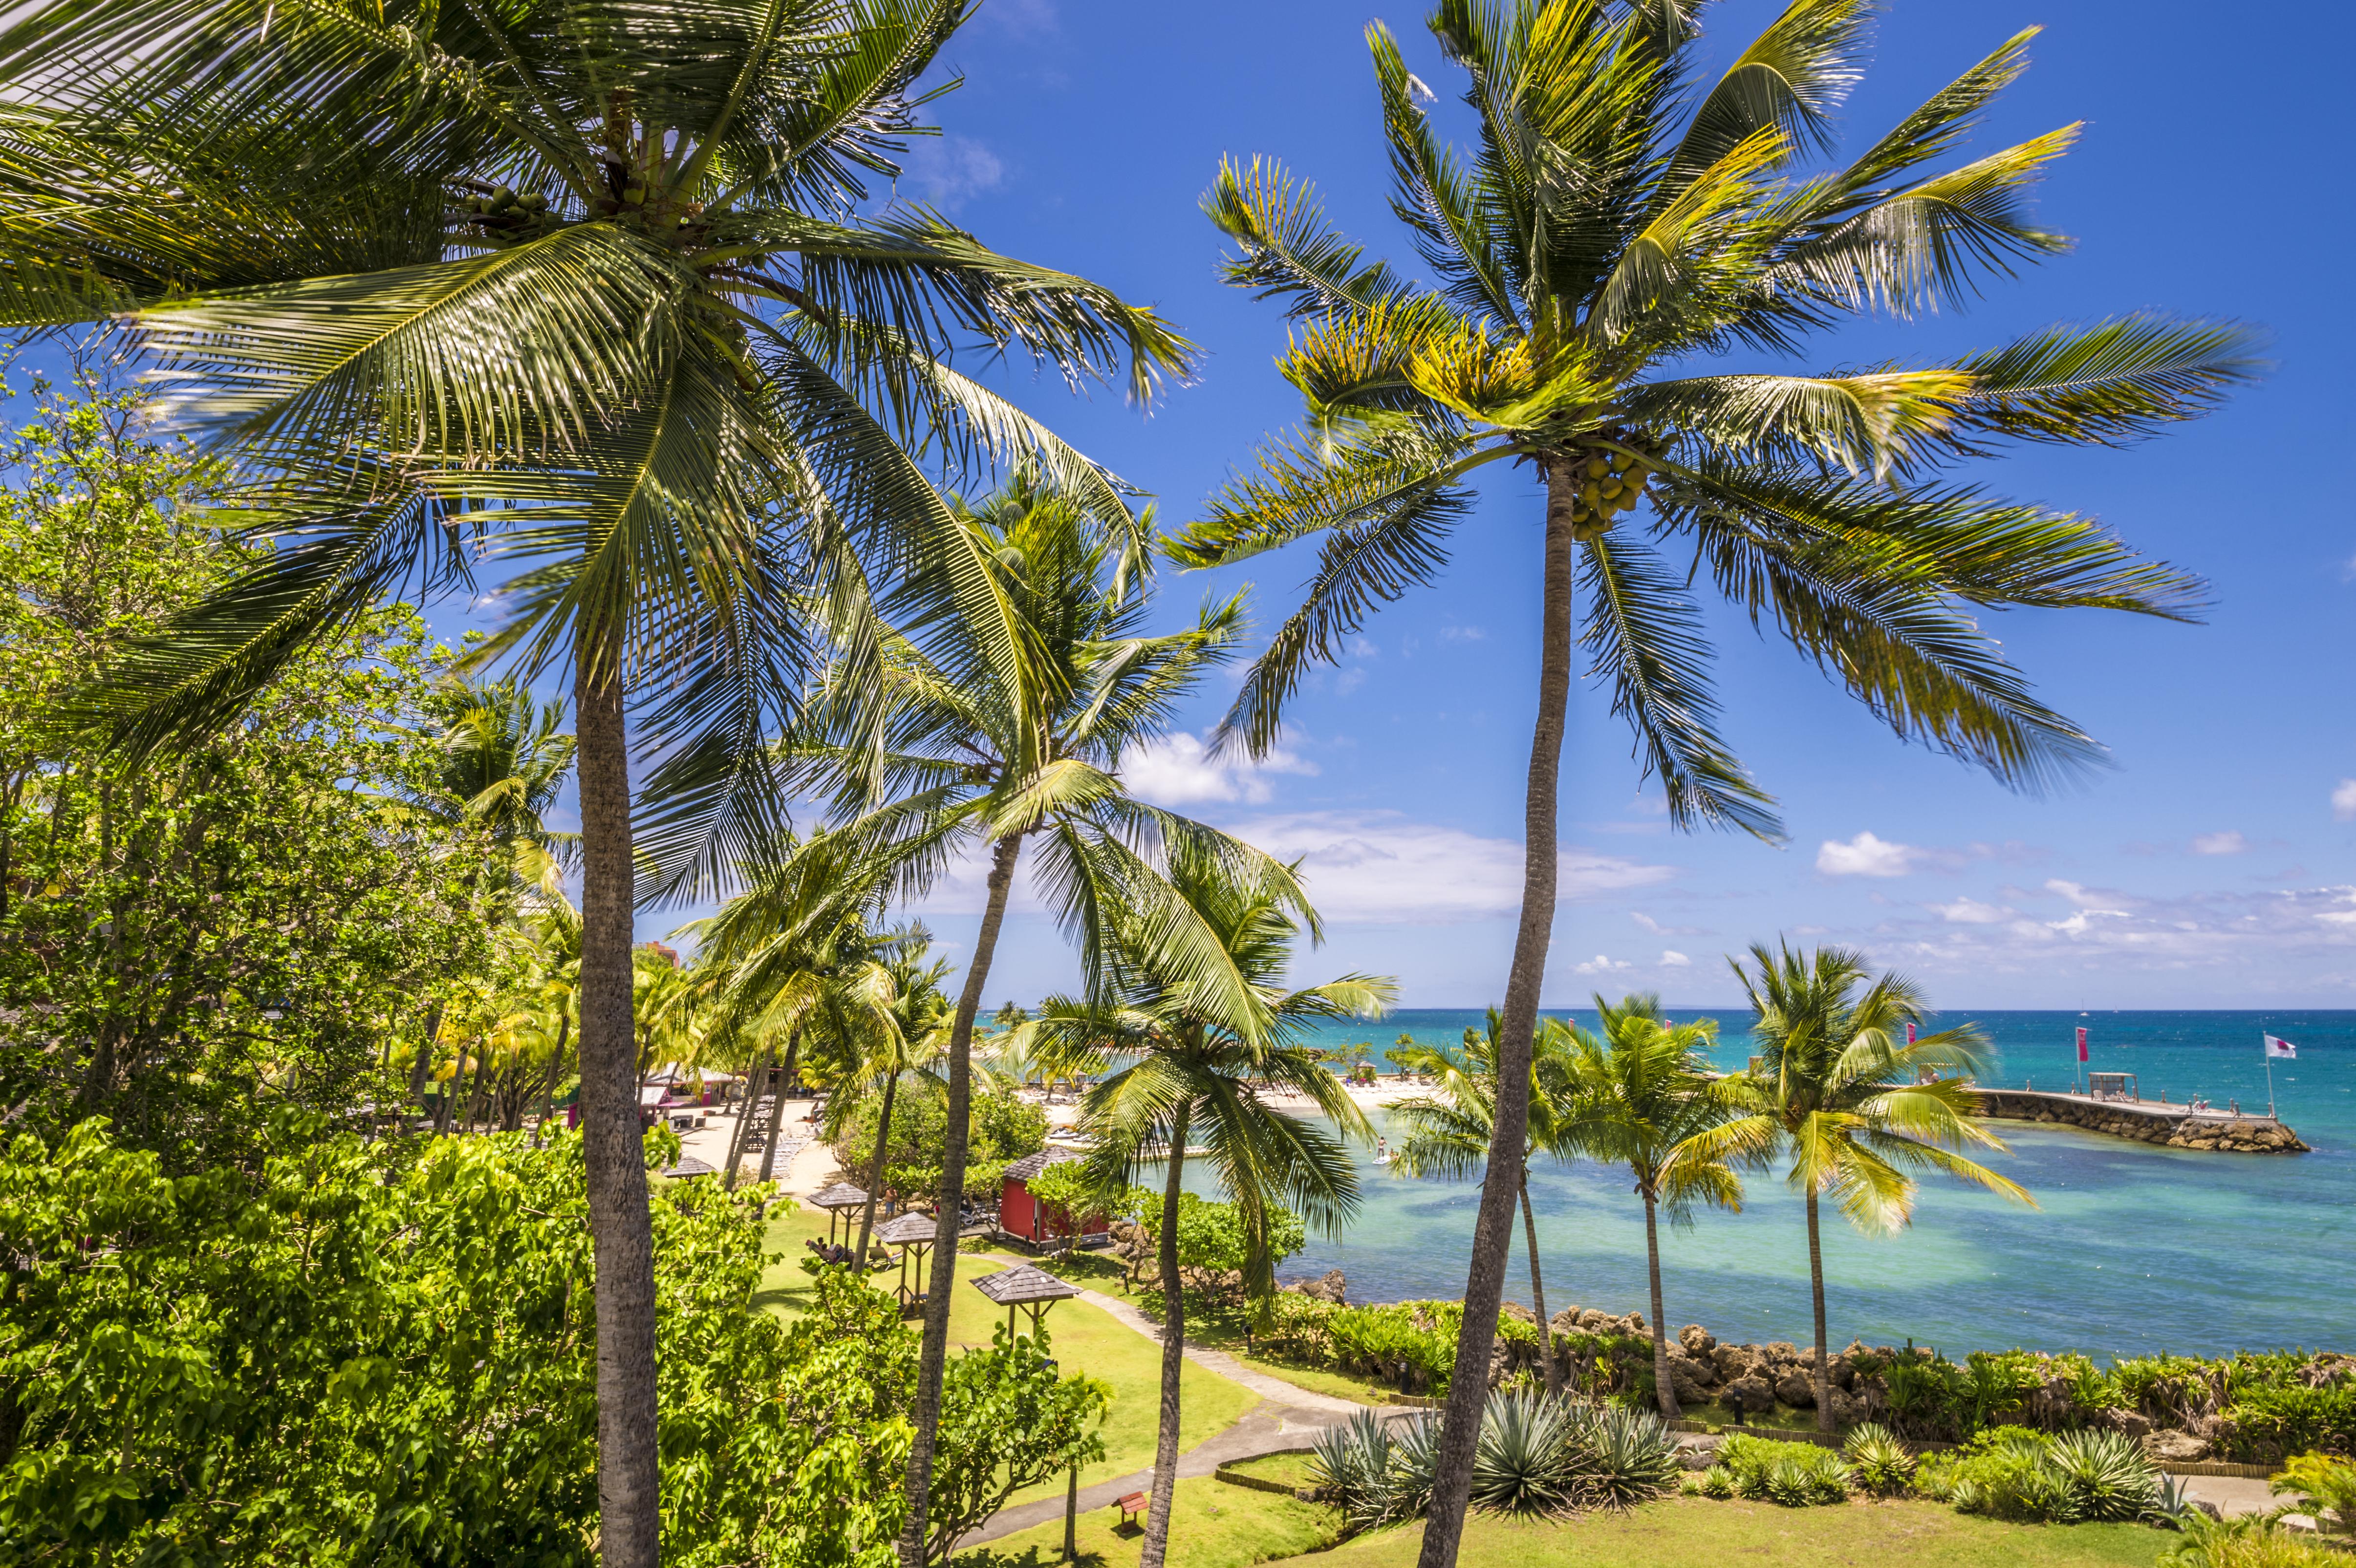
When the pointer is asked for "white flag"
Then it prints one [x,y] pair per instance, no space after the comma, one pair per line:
[2281,1047]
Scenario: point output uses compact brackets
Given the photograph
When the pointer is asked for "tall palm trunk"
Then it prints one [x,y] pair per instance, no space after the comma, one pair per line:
[759,1075]
[1484,1286]
[1665,1387]
[1538,1294]
[612,1144]
[1156,1544]
[1817,1291]
[778,1108]
[875,1172]
[934,1351]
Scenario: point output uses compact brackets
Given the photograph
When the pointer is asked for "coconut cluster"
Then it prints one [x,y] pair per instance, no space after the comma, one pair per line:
[1611,483]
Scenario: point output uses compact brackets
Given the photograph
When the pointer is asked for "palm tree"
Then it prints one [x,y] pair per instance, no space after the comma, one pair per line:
[1639,1096]
[504,760]
[579,284]
[1855,1106]
[1621,220]
[916,1042]
[1451,1133]
[793,951]
[1204,1054]
[1033,763]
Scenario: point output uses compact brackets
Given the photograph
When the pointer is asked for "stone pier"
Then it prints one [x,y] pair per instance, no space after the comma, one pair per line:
[2145,1121]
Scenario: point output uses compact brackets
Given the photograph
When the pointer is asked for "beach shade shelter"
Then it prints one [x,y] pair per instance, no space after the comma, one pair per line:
[2112,1085]
[1024,1289]
[1023,1216]
[912,1233]
[689,1166]
[838,1201]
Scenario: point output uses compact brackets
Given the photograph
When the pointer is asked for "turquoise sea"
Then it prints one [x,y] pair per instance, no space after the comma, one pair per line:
[2132,1249]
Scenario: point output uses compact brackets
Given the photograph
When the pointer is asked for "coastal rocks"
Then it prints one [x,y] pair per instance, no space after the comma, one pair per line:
[1696,1339]
[1797,1389]
[2132,1422]
[2176,1447]
[1518,1312]
[1328,1286]
[1750,1393]
[1846,1408]
[1736,1362]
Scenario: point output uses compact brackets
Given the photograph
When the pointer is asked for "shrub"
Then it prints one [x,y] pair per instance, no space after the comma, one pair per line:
[1718,1481]
[2252,1540]
[1877,1459]
[2013,1473]
[1350,1466]
[1793,1474]
[2291,1417]
[2326,1487]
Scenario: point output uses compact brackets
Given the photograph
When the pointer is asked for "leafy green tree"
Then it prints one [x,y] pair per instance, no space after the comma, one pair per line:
[1449,1134]
[1202,1056]
[584,287]
[1853,1105]
[1034,762]
[1639,1094]
[1623,221]
[256,920]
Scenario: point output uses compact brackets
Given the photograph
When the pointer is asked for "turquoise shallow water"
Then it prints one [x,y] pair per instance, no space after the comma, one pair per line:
[2132,1249]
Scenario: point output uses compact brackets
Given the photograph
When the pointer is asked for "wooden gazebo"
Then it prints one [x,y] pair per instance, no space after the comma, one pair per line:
[838,1201]
[689,1166]
[1025,1288]
[913,1234]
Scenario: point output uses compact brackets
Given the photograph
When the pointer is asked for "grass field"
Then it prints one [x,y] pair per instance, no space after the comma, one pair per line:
[1212,1525]
[1691,1532]
[1290,1469]
[1083,1337]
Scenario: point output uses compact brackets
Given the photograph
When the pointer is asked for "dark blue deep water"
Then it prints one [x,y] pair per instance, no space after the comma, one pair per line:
[2131,1249]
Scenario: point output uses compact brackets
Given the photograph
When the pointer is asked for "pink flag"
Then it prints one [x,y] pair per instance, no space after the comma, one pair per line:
[2081,1042]
[1909,1034]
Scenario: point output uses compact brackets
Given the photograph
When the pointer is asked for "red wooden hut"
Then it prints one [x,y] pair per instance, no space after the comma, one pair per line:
[1023,1218]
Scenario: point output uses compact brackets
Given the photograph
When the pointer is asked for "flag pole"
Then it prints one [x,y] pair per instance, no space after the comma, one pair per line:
[2270,1083]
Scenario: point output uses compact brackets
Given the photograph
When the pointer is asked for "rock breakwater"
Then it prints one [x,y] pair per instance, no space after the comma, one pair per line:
[2172,1126]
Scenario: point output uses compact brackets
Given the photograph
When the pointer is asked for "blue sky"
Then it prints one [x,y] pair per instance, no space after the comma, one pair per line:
[2208,867]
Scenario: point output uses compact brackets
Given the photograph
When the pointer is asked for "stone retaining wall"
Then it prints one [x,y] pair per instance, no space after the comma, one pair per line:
[2170,1125]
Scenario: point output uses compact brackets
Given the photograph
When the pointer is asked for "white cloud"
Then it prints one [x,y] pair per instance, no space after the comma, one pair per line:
[2343,801]
[1673,959]
[1647,923]
[2228,842]
[1382,866]
[1599,964]
[943,171]
[1969,911]
[1864,856]
[1462,634]
[1175,770]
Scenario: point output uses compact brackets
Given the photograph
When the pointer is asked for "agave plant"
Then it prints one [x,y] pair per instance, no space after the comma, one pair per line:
[1520,1460]
[1718,1481]
[1619,1456]
[1351,1465]
[1415,1459]
[1877,1459]
[2108,1472]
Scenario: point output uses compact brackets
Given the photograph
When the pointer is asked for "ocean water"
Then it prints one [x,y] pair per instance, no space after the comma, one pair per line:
[2131,1248]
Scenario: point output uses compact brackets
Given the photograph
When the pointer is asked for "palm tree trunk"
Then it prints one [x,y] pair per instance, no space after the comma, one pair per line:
[934,1351]
[1484,1286]
[1156,1544]
[778,1108]
[1664,1386]
[1817,1291]
[760,1075]
[875,1173]
[620,1224]
[1537,1295]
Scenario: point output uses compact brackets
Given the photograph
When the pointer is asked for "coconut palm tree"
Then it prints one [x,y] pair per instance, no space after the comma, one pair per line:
[585,286]
[1624,222]
[1451,1132]
[1638,1095]
[1033,766]
[794,954]
[913,1048]
[504,761]
[1849,1101]
[1203,1057]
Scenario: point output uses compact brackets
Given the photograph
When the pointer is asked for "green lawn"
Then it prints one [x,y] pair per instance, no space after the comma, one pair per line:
[1290,1469]
[1083,1337]
[1693,1532]
[1212,1525]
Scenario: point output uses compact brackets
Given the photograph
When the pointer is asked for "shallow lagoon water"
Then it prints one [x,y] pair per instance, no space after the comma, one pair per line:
[2132,1248]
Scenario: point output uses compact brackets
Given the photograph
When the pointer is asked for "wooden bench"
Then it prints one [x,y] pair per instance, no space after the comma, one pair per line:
[1134,1504]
